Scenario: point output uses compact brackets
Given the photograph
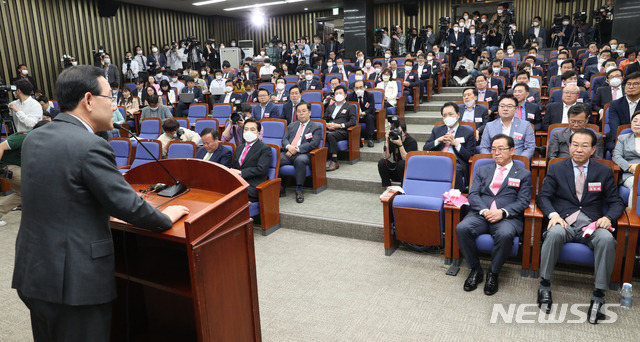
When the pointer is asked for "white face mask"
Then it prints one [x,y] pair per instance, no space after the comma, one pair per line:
[218,77]
[500,11]
[509,51]
[360,92]
[228,89]
[461,23]
[249,136]
[385,78]
[280,86]
[535,24]
[358,78]
[614,46]
[572,83]
[455,29]
[559,61]
[472,31]
[267,65]
[329,65]
[376,70]
[154,50]
[387,55]
[203,73]
[620,53]
[483,20]
[466,17]
[450,121]
[496,70]
[233,44]
[513,27]
[408,68]
[222,46]
[261,53]
[609,69]
[469,104]
[74,63]
[339,98]
[139,52]
[615,82]
[565,23]
[174,80]
[360,59]
[246,69]
[429,58]
[107,60]
[308,77]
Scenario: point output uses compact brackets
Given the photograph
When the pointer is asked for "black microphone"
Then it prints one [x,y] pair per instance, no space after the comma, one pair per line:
[171,191]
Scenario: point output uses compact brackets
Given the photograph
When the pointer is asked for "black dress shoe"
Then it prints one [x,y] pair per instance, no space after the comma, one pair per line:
[594,313]
[544,300]
[475,277]
[299,196]
[369,143]
[283,191]
[361,144]
[491,286]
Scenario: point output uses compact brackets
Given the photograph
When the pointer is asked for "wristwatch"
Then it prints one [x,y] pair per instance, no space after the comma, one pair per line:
[504,213]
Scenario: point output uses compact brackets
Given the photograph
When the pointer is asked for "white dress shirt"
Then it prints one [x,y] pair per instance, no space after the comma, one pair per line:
[632,106]
[506,130]
[28,114]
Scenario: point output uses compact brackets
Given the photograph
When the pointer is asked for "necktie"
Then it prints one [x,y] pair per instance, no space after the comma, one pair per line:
[207,156]
[481,96]
[226,98]
[293,111]
[571,219]
[615,93]
[497,183]
[361,103]
[447,145]
[520,112]
[190,91]
[601,70]
[406,73]
[244,153]
[308,85]
[297,137]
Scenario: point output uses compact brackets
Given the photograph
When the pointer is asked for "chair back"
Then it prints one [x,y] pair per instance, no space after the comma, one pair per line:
[317,110]
[292,79]
[184,122]
[623,129]
[270,87]
[327,79]
[204,123]
[288,85]
[273,130]
[142,156]
[229,146]
[605,121]
[274,167]
[514,63]
[221,111]
[197,111]
[482,159]
[378,96]
[181,149]
[150,128]
[131,86]
[429,173]
[324,130]
[123,112]
[122,149]
[312,96]
[594,78]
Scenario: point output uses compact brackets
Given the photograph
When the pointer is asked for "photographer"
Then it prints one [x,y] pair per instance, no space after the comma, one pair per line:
[174,57]
[110,71]
[194,53]
[399,40]
[482,62]
[500,21]
[10,158]
[385,42]
[561,34]
[318,49]
[173,131]
[397,144]
[494,40]
[235,128]
[156,59]
[25,110]
[414,43]
[129,68]
[514,37]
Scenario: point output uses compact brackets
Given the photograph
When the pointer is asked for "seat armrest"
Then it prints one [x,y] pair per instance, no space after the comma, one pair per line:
[124,167]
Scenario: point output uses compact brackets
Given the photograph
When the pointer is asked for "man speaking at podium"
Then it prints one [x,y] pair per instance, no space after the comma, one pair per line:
[64,264]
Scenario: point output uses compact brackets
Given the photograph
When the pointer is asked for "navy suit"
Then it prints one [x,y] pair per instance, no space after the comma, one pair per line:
[255,168]
[477,42]
[249,98]
[603,96]
[232,99]
[162,60]
[558,194]
[557,97]
[314,85]
[541,34]
[289,112]
[309,140]
[480,116]
[467,139]
[557,82]
[270,111]
[53,112]
[368,106]
[618,115]
[554,114]
[221,155]
[376,78]
[198,96]
[496,82]
[491,97]
[460,45]
[413,79]
[514,196]
[532,114]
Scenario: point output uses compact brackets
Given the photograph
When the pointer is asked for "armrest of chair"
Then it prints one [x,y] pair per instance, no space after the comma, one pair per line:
[440,81]
[400,103]
[452,218]
[318,166]
[268,196]
[531,251]
[416,98]
[354,142]
[625,224]
[381,117]
[387,211]
[429,88]
[124,167]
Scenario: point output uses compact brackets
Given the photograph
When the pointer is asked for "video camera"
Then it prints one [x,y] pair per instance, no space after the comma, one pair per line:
[66,60]
[5,115]
[603,13]
[191,42]
[580,16]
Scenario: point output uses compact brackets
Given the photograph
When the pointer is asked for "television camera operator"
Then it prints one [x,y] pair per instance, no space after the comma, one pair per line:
[68,61]
[604,22]
[98,55]
[399,41]
[129,70]
[194,53]
[396,146]
[25,110]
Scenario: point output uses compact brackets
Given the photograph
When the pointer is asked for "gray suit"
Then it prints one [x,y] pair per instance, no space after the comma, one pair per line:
[625,153]
[112,74]
[559,145]
[309,140]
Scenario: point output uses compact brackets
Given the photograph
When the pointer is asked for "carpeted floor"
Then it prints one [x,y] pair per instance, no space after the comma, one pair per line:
[316,287]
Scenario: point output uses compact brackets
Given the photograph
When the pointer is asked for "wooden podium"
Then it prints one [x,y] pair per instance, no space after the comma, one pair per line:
[197,280]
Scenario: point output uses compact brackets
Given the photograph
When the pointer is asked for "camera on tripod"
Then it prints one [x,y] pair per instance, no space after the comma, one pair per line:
[580,16]
[5,115]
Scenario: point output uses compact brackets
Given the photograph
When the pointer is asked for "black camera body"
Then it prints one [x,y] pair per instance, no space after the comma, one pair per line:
[235,117]
[5,115]
[6,173]
[394,134]
[179,133]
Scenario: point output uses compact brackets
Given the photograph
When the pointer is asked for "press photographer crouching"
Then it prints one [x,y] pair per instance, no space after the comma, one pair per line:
[173,131]
[10,158]
[396,146]
[235,128]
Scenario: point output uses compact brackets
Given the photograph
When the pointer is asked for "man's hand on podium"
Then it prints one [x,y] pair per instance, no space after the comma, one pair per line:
[175,212]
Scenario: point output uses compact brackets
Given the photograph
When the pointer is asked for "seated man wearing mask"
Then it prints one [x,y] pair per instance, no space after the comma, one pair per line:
[155,110]
[252,158]
[339,117]
[471,112]
[173,131]
[367,108]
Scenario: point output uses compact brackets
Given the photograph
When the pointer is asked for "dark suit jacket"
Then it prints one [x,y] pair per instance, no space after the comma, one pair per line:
[480,116]
[491,97]
[559,145]
[591,70]
[368,100]
[460,42]
[221,155]
[289,111]
[309,140]
[532,114]
[234,97]
[603,97]
[631,68]
[28,78]
[557,82]
[64,249]
[554,114]
[162,60]
[315,85]
[256,163]
[618,115]
[541,34]
[496,82]
[464,134]
[249,98]
[514,199]
[53,112]
[558,192]
[270,111]
[557,97]
[347,115]
[478,40]
[198,96]
[375,79]
[426,71]
[412,78]
[417,46]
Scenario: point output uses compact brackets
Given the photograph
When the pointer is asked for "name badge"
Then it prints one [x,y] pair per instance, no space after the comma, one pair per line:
[478,119]
[531,116]
[343,111]
[517,136]
[284,99]
[308,136]
[597,186]
[410,77]
[580,100]
[313,87]
[367,105]
[530,99]
[514,182]
[460,140]
[266,115]
[488,99]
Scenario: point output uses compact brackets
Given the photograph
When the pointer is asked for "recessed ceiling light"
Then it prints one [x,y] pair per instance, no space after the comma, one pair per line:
[306,9]
[207,2]
[262,5]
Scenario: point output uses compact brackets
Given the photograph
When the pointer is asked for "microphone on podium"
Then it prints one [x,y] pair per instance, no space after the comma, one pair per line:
[175,189]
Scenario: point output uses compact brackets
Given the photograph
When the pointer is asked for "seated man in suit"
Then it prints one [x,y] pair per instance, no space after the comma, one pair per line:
[229,96]
[358,75]
[494,83]
[534,94]
[173,131]
[591,56]
[212,150]
[329,95]
[557,112]
[490,96]
[47,110]
[523,135]
[309,83]
[409,78]
[597,68]
[265,109]
[610,91]
[573,195]
[567,66]
[504,63]
[302,137]
[289,108]
[496,70]
[367,112]
[198,96]
[578,119]
[555,66]
[609,65]
[471,112]
[250,94]
[527,109]
[620,110]
[339,117]
[423,70]
[454,138]
[376,76]
[498,197]
[583,96]
[252,158]
[280,94]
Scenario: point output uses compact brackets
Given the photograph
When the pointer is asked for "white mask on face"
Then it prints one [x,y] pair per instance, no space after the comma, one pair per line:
[572,83]
[308,77]
[615,82]
[565,23]
[360,92]
[387,55]
[249,136]
[74,63]
[222,46]
[358,78]
[609,69]
[376,70]
[535,24]
[513,27]
[233,44]
[496,70]
[509,51]
[613,47]
[385,78]
[339,98]
[107,60]
[620,53]
[408,68]
[174,80]
[360,59]
[500,11]
[466,17]
[367,65]
[261,53]
[280,86]
[472,31]
[559,61]
[267,65]
[203,73]
[461,23]
[218,77]
[450,121]
[139,52]
[246,69]
[228,89]
[469,104]
[429,58]
[483,20]
[455,29]
[154,50]
[330,65]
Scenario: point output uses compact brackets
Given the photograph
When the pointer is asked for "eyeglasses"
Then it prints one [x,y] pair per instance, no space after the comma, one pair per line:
[571,92]
[500,149]
[574,122]
[105,96]
[633,85]
[506,106]
[581,147]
